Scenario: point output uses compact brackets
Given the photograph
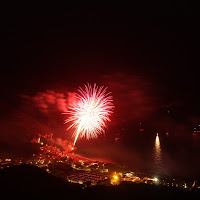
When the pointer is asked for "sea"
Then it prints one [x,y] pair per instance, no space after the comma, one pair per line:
[174,156]
[158,155]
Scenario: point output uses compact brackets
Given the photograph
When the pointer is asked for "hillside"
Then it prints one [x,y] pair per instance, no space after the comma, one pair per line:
[30,182]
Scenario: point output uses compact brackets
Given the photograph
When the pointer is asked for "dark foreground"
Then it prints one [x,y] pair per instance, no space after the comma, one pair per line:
[30,182]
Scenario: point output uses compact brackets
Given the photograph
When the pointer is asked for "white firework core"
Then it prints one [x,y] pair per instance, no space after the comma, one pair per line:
[90,112]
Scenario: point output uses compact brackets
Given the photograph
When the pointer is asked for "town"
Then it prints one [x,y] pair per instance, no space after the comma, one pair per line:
[89,173]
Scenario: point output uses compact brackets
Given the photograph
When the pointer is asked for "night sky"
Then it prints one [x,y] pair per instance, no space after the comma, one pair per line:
[147,58]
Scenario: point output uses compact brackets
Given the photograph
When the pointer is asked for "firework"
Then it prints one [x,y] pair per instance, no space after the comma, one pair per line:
[90,112]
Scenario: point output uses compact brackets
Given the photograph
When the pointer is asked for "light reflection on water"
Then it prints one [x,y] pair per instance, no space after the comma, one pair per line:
[176,156]
[158,163]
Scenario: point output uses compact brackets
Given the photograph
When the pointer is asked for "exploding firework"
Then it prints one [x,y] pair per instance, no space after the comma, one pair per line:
[90,112]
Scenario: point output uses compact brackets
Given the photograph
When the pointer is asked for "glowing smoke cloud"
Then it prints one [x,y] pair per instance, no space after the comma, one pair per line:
[90,112]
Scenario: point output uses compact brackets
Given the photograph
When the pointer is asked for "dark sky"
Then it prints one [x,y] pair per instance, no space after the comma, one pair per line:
[77,46]
[147,58]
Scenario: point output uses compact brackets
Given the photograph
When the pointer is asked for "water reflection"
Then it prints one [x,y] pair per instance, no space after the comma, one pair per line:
[157,156]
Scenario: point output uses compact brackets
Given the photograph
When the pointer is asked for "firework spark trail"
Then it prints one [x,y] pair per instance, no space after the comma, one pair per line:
[90,112]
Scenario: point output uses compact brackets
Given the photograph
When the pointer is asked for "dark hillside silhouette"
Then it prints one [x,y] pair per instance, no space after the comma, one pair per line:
[30,182]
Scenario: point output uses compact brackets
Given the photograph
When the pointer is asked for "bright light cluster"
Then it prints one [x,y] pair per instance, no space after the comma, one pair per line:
[90,112]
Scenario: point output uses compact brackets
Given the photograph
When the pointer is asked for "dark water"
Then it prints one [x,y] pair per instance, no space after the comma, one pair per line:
[160,155]
[171,156]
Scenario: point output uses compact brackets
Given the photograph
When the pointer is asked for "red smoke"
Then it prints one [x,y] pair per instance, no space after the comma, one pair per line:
[134,97]
[46,101]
